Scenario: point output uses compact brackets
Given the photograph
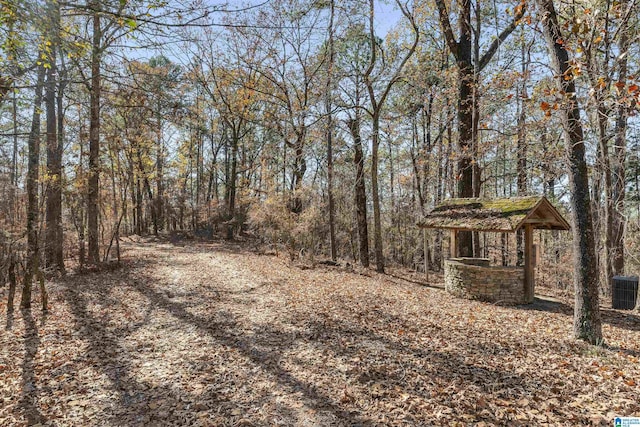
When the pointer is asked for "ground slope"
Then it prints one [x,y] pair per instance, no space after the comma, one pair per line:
[214,334]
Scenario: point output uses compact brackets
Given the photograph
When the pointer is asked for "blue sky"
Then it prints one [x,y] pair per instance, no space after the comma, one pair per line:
[386,17]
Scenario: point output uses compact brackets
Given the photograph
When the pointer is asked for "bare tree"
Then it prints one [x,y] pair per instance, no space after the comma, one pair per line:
[330,130]
[377,103]
[33,208]
[52,99]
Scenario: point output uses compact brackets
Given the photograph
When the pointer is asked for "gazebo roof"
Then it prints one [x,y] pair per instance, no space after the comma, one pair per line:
[498,215]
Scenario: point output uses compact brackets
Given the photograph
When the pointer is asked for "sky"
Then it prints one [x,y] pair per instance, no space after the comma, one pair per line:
[386,17]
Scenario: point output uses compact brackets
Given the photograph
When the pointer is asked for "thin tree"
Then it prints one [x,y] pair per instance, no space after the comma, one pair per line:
[94,138]
[352,59]
[377,102]
[587,322]
[329,108]
[606,49]
[54,237]
[33,208]
[618,166]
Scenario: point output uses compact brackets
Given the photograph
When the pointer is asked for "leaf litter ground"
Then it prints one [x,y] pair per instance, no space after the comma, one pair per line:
[208,334]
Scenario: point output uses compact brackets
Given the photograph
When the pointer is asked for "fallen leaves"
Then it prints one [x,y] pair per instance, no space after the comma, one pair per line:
[212,334]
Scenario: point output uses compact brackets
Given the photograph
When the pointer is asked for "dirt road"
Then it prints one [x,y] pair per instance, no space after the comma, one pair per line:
[215,334]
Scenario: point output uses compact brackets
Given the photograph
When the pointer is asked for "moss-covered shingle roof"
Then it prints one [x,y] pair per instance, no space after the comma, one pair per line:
[501,215]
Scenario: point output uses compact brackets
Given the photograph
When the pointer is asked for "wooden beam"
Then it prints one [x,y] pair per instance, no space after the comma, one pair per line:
[453,244]
[550,224]
[487,230]
[529,277]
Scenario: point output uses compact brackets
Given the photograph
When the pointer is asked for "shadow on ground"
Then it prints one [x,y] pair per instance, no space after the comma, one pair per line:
[616,318]
[267,349]
[387,369]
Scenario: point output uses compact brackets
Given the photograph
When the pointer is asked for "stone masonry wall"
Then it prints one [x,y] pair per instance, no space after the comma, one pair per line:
[503,285]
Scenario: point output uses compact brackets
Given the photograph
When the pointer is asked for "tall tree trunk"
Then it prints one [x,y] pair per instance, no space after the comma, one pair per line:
[603,168]
[550,192]
[360,190]
[465,123]
[54,257]
[329,108]
[81,215]
[14,158]
[198,142]
[144,186]
[13,282]
[375,194]
[33,214]
[377,104]
[297,174]
[618,168]
[587,321]
[468,100]
[53,193]
[62,84]
[522,150]
[93,187]
[414,152]
[231,186]
[618,194]
[139,208]
[159,224]
[604,162]
[596,198]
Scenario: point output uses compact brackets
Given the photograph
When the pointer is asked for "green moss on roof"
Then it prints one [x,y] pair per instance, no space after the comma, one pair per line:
[506,206]
[504,214]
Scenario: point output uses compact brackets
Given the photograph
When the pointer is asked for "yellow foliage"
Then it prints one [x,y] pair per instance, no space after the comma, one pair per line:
[273,218]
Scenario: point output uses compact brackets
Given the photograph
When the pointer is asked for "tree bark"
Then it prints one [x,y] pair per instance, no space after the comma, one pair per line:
[54,258]
[13,282]
[94,141]
[299,169]
[81,206]
[468,78]
[14,158]
[139,208]
[618,168]
[375,195]
[587,321]
[360,190]
[159,205]
[33,254]
[522,182]
[329,107]
[604,161]
[377,103]
[230,195]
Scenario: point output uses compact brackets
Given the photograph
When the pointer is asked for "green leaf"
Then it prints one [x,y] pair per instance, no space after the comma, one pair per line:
[131,23]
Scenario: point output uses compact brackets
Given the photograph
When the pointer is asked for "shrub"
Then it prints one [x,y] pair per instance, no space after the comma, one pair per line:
[274,220]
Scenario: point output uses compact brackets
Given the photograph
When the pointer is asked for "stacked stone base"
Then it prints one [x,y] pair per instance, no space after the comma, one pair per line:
[473,278]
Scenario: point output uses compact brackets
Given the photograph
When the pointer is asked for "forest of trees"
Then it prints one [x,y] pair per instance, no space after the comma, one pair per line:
[316,126]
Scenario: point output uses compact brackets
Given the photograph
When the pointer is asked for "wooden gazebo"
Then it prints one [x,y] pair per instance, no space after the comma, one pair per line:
[501,216]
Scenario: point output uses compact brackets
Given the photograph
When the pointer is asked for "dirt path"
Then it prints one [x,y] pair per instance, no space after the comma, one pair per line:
[213,334]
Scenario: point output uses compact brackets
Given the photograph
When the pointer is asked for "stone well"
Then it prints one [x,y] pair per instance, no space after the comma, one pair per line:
[473,278]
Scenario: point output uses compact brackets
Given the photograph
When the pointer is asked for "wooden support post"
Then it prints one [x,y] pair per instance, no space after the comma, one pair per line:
[529,272]
[453,244]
